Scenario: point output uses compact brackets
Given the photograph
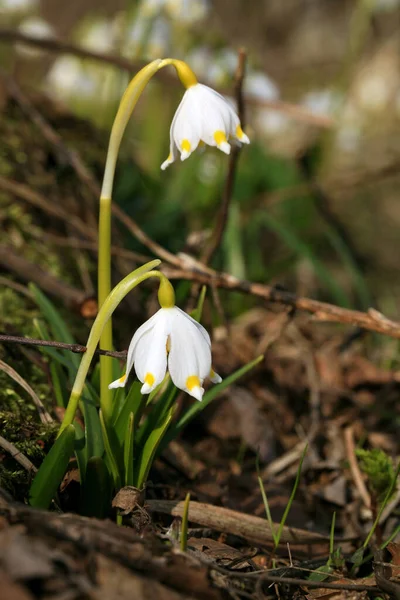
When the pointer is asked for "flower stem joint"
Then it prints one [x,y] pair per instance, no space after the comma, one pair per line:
[170,339]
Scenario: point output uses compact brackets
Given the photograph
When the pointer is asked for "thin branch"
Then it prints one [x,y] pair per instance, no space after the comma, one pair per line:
[354,468]
[372,320]
[223,213]
[351,587]
[76,348]
[17,455]
[294,111]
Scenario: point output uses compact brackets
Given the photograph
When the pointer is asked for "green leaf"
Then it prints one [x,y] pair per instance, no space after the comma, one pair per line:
[150,448]
[111,455]
[96,492]
[93,433]
[129,450]
[198,311]
[52,470]
[321,573]
[134,403]
[209,396]
[59,384]
[58,326]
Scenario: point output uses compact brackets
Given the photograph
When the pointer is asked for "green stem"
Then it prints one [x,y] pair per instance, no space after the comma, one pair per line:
[103,317]
[127,104]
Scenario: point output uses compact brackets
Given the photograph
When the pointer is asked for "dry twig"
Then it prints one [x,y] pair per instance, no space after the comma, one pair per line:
[17,455]
[76,348]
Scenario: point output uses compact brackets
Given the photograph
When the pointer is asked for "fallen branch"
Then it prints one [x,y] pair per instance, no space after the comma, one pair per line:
[76,348]
[322,311]
[254,529]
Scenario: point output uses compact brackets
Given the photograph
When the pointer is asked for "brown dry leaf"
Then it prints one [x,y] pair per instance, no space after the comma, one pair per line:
[11,590]
[242,416]
[394,549]
[217,551]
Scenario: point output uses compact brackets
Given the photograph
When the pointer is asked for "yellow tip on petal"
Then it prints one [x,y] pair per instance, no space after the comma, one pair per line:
[219,137]
[215,378]
[192,382]
[149,379]
[241,136]
[118,383]
[185,146]
[221,141]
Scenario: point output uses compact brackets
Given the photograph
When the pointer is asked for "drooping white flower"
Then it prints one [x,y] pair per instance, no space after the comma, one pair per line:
[170,339]
[203,116]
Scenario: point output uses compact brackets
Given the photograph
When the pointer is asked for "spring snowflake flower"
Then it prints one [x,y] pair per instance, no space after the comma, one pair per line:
[171,338]
[203,116]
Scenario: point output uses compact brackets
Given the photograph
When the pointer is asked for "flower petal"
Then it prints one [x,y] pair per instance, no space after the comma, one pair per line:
[150,354]
[189,360]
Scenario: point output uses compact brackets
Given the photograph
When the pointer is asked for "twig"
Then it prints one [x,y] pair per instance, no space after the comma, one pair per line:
[25,193]
[254,529]
[17,455]
[76,348]
[28,271]
[294,111]
[354,468]
[222,217]
[322,311]
[351,587]
[44,416]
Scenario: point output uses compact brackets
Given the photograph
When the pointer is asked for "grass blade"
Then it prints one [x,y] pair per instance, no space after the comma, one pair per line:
[52,470]
[129,450]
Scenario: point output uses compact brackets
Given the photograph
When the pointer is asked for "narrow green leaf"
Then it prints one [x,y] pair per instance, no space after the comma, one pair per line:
[150,448]
[110,456]
[185,522]
[93,433]
[134,403]
[59,384]
[129,450]
[58,326]
[96,492]
[209,396]
[52,470]
[198,311]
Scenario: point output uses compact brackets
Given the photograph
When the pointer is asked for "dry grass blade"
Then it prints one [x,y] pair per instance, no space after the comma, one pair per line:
[44,416]
[17,455]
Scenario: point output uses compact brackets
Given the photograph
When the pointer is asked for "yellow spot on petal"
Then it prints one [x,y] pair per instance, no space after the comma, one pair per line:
[149,379]
[212,373]
[239,132]
[219,137]
[185,145]
[192,382]
[122,379]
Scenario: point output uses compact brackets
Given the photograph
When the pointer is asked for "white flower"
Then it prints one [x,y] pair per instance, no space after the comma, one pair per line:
[170,338]
[203,116]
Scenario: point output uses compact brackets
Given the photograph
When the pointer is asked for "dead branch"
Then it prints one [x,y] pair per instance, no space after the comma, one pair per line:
[294,111]
[322,311]
[222,217]
[76,348]
[17,455]
[253,529]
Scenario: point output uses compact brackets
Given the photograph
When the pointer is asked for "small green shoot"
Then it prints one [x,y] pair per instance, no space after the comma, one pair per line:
[277,534]
[185,521]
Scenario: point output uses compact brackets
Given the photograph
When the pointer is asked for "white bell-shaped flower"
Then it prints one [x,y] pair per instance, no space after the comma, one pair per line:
[171,338]
[203,116]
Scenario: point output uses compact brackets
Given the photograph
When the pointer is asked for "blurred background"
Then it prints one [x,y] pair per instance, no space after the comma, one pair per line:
[315,206]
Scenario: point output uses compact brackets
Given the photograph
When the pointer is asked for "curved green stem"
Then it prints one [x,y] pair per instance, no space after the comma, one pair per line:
[103,317]
[127,104]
